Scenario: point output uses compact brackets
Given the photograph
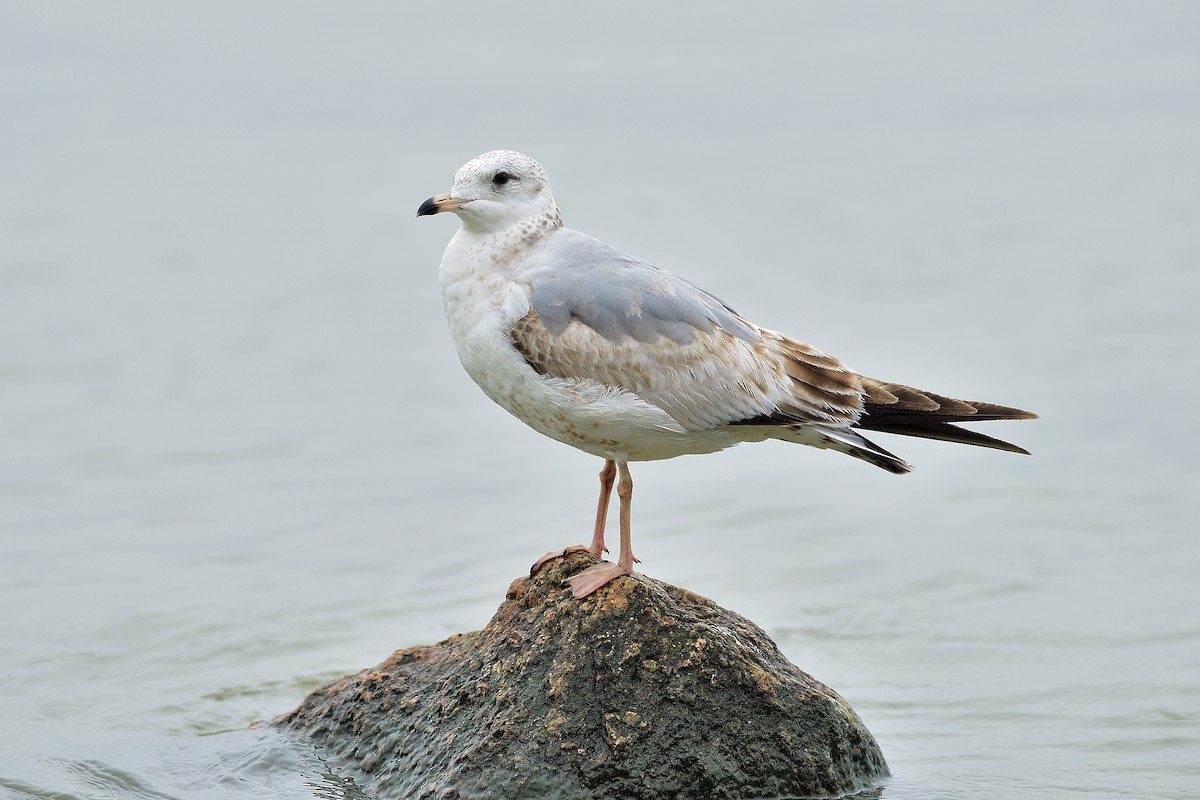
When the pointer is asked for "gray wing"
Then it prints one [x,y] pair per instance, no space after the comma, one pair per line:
[601,315]
[618,296]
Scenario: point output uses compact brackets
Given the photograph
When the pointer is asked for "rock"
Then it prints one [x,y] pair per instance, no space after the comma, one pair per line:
[642,690]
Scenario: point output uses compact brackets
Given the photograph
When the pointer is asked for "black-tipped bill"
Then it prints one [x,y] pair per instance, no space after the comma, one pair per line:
[441,202]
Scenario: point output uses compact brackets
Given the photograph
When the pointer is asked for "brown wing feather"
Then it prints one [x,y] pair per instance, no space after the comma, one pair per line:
[896,408]
[819,382]
[888,402]
[701,384]
[717,379]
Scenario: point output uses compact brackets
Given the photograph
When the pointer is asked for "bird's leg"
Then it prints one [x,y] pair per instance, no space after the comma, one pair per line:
[608,474]
[593,578]
[625,494]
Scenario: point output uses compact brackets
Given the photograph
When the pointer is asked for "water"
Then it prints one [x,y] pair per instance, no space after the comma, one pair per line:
[239,458]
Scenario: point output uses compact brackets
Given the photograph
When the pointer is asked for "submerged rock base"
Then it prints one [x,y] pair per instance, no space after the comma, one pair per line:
[642,690]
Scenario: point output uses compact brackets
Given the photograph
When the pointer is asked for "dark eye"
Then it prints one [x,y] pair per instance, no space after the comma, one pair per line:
[501,178]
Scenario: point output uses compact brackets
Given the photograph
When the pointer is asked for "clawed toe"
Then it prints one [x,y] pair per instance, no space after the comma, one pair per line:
[553,554]
[593,578]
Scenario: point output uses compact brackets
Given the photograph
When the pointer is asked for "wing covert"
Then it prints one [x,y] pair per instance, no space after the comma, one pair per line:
[577,277]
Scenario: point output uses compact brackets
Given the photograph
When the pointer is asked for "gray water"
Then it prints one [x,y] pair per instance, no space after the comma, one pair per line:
[238,457]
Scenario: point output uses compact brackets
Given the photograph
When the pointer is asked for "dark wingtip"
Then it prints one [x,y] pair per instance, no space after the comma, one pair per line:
[943,432]
[427,208]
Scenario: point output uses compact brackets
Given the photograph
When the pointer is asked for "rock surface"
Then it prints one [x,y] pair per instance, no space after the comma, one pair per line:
[642,690]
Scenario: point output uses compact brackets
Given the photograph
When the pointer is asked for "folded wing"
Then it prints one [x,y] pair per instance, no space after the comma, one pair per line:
[599,314]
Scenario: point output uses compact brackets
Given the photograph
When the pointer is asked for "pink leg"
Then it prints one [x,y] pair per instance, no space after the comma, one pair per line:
[607,474]
[602,574]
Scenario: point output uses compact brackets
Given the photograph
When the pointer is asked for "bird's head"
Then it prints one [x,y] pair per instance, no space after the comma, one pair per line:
[495,190]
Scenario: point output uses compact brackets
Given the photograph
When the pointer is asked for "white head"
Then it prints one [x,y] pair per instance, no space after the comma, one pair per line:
[496,190]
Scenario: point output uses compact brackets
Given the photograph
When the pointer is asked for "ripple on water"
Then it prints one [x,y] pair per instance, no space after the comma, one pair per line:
[249,765]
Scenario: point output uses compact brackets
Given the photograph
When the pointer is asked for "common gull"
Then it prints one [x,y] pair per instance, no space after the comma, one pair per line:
[602,351]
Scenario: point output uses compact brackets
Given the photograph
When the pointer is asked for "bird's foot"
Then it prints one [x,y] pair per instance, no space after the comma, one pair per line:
[595,577]
[566,551]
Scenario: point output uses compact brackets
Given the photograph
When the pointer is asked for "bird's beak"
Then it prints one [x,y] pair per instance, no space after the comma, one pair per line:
[442,202]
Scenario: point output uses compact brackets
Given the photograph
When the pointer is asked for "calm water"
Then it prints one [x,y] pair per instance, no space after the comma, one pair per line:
[238,456]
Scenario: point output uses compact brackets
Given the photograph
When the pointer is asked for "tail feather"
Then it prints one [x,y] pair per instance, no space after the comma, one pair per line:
[851,443]
[887,403]
[903,410]
[893,408]
[946,432]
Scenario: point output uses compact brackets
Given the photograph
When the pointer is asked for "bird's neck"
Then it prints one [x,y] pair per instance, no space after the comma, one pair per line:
[481,266]
[524,220]
[502,251]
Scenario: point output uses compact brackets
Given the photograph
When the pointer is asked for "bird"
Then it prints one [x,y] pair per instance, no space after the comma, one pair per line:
[605,352]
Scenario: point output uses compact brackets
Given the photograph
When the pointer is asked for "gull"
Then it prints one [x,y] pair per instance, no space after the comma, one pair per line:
[602,351]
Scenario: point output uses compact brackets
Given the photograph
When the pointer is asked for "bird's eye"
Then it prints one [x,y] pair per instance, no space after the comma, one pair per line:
[501,178]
